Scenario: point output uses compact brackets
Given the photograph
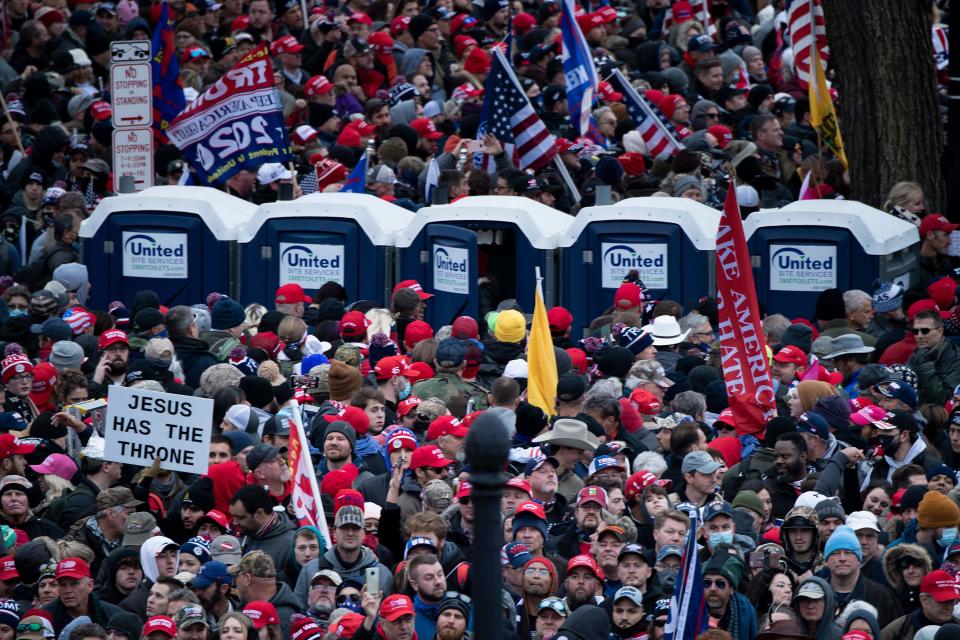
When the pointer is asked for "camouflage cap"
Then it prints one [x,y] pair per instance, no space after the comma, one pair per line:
[190,614]
[256,563]
[625,523]
[650,371]
[116,497]
[348,354]
[430,409]
[437,494]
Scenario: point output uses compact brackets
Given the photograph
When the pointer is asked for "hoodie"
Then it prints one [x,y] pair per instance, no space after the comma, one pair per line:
[107,577]
[866,616]
[404,113]
[287,603]
[828,629]
[276,542]
[357,571]
[586,623]
[909,597]
[148,555]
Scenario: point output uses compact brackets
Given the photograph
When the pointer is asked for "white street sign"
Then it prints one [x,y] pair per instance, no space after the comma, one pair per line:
[131,94]
[133,156]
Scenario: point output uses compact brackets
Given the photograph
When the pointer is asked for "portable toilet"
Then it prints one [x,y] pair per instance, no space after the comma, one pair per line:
[448,248]
[669,241]
[340,237]
[812,245]
[176,240]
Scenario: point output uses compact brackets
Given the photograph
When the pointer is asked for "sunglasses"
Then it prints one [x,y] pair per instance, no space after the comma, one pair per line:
[920,331]
[353,597]
[30,627]
[719,583]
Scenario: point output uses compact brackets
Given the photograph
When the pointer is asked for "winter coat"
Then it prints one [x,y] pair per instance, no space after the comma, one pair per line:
[106,582]
[828,629]
[276,542]
[99,612]
[195,358]
[496,355]
[908,596]
[331,560]
[592,623]
[938,372]
[287,603]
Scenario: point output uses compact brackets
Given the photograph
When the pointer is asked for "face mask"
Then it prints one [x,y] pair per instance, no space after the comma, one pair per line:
[948,537]
[718,538]
[537,102]
[883,441]
[404,393]
[16,313]
[162,334]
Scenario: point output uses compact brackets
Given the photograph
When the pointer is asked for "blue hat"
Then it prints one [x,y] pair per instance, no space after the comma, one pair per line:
[451,352]
[636,340]
[535,463]
[311,361]
[716,508]
[527,519]
[239,440]
[669,550]
[887,297]
[899,390]
[418,541]
[227,314]
[211,572]
[942,470]
[814,423]
[843,537]
[515,554]
[197,549]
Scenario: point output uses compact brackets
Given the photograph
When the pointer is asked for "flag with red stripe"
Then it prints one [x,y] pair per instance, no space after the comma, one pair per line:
[807,29]
[658,134]
[508,115]
[305,495]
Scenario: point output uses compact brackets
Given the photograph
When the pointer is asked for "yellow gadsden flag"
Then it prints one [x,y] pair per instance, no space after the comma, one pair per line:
[541,361]
[822,115]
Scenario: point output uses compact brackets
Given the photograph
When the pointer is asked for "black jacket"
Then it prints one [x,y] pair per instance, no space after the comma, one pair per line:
[99,612]
[195,358]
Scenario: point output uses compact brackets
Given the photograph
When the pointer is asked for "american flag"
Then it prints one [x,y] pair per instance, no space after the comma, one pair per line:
[701,13]
[308,183]
[658,134]
[807,26]
[510,117]
[688,611]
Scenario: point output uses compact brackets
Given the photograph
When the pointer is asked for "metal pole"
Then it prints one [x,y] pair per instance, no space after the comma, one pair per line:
[567,180]
[487,447]
[953,114]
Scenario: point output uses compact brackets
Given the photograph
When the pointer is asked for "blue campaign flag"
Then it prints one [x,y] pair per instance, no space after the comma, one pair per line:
[582,81]
[356,182]
[168,100]
[688,611]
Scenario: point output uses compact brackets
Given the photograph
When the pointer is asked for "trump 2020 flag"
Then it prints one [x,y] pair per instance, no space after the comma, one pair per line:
[688,610]
[356,182]
[743,352]
[578,69]
[305,495]
[541,361]
[168,100]
[237,123]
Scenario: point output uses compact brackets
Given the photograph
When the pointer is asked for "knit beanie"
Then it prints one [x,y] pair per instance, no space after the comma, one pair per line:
[887,297]
[342,427]
[830,509]
[937,510]
[749,500]
[701,376]
[614,361]
[343,380]
[227,314]
[843,537]
[511,326]
[835,410]
[729,567]
[830,305]
[685,182]
[634,339]
[526,519]
[798,335]
[393,150]
[716,396]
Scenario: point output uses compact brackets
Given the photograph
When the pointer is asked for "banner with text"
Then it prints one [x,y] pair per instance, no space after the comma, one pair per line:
[620,258]
[143,426]
[237,123]
[154,255]
[311,265]
[451,269]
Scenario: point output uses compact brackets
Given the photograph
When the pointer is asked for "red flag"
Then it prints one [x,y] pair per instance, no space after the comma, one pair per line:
[305,497]
[743,353]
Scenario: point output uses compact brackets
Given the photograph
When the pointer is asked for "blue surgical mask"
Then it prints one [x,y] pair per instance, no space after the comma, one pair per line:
[718,538]
[404,393]
[948,537]
[16,313]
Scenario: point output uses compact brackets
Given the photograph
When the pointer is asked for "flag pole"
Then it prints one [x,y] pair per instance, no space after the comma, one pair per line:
[304,458]
[568,181]
[16,133]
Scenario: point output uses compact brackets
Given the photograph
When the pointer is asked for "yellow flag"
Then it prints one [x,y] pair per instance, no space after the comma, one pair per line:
[822,115]
[541,361]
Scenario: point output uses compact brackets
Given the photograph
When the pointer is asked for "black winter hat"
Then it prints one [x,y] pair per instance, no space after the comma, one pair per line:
[777,427]
[798,335]
[200,494]
[586,623]
[830,305]
[258,391]
[614,361]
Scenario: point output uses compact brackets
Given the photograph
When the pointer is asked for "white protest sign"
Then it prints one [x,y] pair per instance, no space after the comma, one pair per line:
[803,267]
[647,258]
[311,265]
[451,272]
[142,426]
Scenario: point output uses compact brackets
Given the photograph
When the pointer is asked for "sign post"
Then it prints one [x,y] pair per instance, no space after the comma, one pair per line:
[143,426]
[131,98]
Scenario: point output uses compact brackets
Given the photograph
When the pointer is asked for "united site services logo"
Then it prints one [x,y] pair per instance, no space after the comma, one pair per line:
[143,245]
[803,268]
[299,256]
[443,262]
[622,256]
[794,259]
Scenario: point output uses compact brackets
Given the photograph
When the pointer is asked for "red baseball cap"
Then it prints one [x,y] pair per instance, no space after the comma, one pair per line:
[413,284]
[72,568]
[465,328]
[726,417]
[416,331]
[101,110]
[217,517]
[590,21]
[607,91]
[354,324]
[722,133]
[362,18]
[607,14]
[261,613]
[422,369]
[356,416]
[8,570]
[306,629]
[163,624]
[408,405]
[682,12]
[446,426]
[399,25]
[559,319]
[519,483]
[646,403]
[628,296]
[425,128]
[195,52]
[401,440]
[533,508]
[395,606]
[791,354]
[393,366]
[346,497]
[11,446]
[584,560]
[111,336]
[291,293]
[936,222]
[317,86]
[286,44]
[941,586]
[429,456]
[592,494]
[640,481]
[463,491]
[44,379]
[462,21]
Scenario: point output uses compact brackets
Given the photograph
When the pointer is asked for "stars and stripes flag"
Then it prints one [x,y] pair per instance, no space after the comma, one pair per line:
[579,70]
[701,13]
[356,182]
[807,29]
[658,134]
[508,115]
[688,616]
[941,46]
[305,496]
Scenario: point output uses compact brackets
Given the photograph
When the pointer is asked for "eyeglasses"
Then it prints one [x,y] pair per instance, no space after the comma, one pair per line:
[922,330]
[719,583]
[22,377]
[536,571]
[352,597]
[713,116]
[323,587]
[31,626]
[659,623]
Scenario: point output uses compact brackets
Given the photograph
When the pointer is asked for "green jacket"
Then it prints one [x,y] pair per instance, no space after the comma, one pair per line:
[448,386]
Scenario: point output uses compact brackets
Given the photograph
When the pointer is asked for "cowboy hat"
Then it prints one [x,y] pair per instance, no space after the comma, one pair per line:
[567,432]
[665,331]
[846,345]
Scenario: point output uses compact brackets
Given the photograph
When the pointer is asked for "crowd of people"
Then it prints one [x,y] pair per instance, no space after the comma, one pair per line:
[837,521]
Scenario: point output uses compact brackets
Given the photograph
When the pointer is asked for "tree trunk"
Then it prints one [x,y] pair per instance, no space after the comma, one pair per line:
[889,116]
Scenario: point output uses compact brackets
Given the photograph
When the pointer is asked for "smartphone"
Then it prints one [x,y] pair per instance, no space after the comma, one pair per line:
[307,382]
[373,582]
[756,559]
[773,560]
[475,146]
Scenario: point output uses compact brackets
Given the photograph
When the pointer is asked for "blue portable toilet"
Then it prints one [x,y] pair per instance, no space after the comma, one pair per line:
[812,245]
[669,241]
[340,237]
[448,248]
[178,241]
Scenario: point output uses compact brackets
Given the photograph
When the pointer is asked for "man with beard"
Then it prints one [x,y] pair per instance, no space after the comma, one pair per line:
[260,14]
[378,114]
[391,619]
[339,442]
[263,528]
[269,470]
[322,597]
[212,586]
[513,557]
[628,616]
[789,471]
[552,613]
[454,617]
[582,582]
[541,473]
[425,575]
[114,350]
[539,582]
[732,611]
[566,539]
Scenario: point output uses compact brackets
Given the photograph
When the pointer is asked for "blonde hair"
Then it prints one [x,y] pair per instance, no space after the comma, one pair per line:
[252,315]
[56,486]
[292,329]
[900,193]
[380,322]
[73,549]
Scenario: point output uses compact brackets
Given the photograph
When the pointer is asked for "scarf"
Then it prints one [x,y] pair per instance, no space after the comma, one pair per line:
[367,447]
